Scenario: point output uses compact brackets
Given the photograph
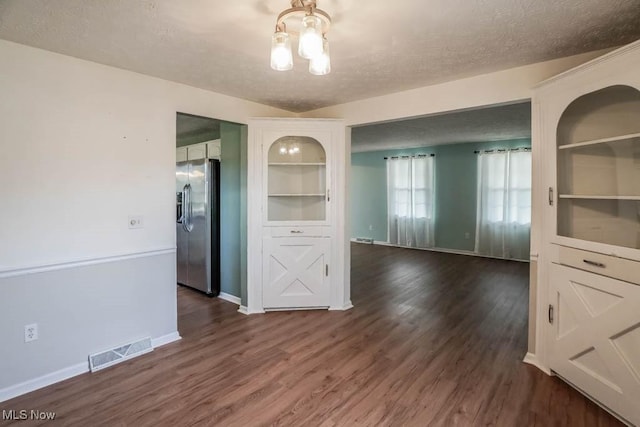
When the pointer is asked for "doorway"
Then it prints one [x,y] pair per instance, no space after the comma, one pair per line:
[222,146]
[456,139]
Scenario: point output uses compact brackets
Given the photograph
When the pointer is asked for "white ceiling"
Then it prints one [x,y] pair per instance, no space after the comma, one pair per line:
[377,46]
[478,125]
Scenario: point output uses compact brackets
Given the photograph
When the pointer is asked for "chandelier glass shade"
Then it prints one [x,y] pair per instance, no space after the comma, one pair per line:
[312,41]
[321,64]
[281,57]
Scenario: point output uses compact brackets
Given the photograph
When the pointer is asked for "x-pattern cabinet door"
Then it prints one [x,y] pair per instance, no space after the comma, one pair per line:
[595,344]
[296,272]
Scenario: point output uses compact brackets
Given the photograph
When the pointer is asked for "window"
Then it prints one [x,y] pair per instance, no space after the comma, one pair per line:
[410,199]
[504,204]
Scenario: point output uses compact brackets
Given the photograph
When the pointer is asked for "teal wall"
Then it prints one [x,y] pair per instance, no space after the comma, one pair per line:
[231,224]
[243,214]
[456,186]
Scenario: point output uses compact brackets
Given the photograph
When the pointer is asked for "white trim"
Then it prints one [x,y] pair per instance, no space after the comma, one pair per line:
[596,61]
[443,250]
[166,339]
[245,310]
[231,298]
[347,306]
[254,220]
[295,308]
[66,373]
[532,359]
[43,381]
[22,271]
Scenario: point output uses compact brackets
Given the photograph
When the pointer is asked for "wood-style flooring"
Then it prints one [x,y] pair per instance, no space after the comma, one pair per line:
[433,339]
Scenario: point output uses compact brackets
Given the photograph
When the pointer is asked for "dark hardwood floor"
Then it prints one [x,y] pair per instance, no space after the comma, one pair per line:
[433,339]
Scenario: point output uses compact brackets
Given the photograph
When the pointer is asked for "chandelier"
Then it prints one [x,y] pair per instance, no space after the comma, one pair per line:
[312,41]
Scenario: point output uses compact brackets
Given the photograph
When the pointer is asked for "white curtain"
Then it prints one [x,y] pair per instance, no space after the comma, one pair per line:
[410,201]
[504,204]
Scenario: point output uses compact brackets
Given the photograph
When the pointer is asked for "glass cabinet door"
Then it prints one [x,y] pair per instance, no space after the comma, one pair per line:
[296,180]
[598,168]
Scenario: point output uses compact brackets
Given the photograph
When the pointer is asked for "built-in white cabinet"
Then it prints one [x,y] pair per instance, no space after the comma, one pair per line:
[214,149]
[587,137]
[197,151]
[296,210]
[202,150]
[181,154]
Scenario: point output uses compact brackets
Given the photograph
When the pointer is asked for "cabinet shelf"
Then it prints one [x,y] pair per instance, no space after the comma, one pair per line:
[599,141]
[296,164]
[297,195]
[597,197]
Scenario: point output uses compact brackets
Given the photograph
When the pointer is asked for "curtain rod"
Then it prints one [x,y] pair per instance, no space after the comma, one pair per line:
[409,157]
[502,150]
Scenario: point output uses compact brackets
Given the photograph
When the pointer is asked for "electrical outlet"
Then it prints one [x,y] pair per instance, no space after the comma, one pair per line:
[136,221]
[370,227]
[467,235]
[31,332]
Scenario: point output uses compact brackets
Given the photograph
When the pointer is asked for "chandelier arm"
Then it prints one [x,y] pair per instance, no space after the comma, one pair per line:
[296,11]
[303,3]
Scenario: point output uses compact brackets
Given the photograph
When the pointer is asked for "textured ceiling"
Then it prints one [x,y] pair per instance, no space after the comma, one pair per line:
[478,125]
[377,47]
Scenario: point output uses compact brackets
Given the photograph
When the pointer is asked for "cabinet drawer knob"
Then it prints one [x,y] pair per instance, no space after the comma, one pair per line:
[297,231]
[593,263]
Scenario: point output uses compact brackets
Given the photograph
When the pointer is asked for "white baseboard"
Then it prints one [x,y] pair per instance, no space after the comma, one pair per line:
[347,306]
[66,373]
[533,360]
[444,250]
[43,381]
[165,339]
[245,310]
[231,298]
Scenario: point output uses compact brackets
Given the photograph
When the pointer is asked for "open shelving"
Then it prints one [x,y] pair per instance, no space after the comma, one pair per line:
[296,164]
[595,197]
[599,141]
[598,168]
[296,180]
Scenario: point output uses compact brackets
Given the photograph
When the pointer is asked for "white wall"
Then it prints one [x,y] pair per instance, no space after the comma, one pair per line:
[82,146]
[506,86]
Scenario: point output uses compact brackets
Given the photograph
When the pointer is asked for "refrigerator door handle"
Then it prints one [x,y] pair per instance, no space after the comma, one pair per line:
[179,207]
[187,210]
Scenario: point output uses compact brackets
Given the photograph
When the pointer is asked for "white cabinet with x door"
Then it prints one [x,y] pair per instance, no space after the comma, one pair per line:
[296,272]
[587,125]
[297,204]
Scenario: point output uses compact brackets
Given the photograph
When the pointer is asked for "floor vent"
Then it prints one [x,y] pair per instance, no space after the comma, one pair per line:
[364,240]
[108,358]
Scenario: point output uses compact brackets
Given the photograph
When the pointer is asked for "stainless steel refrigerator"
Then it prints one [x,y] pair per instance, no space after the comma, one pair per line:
[198,224]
